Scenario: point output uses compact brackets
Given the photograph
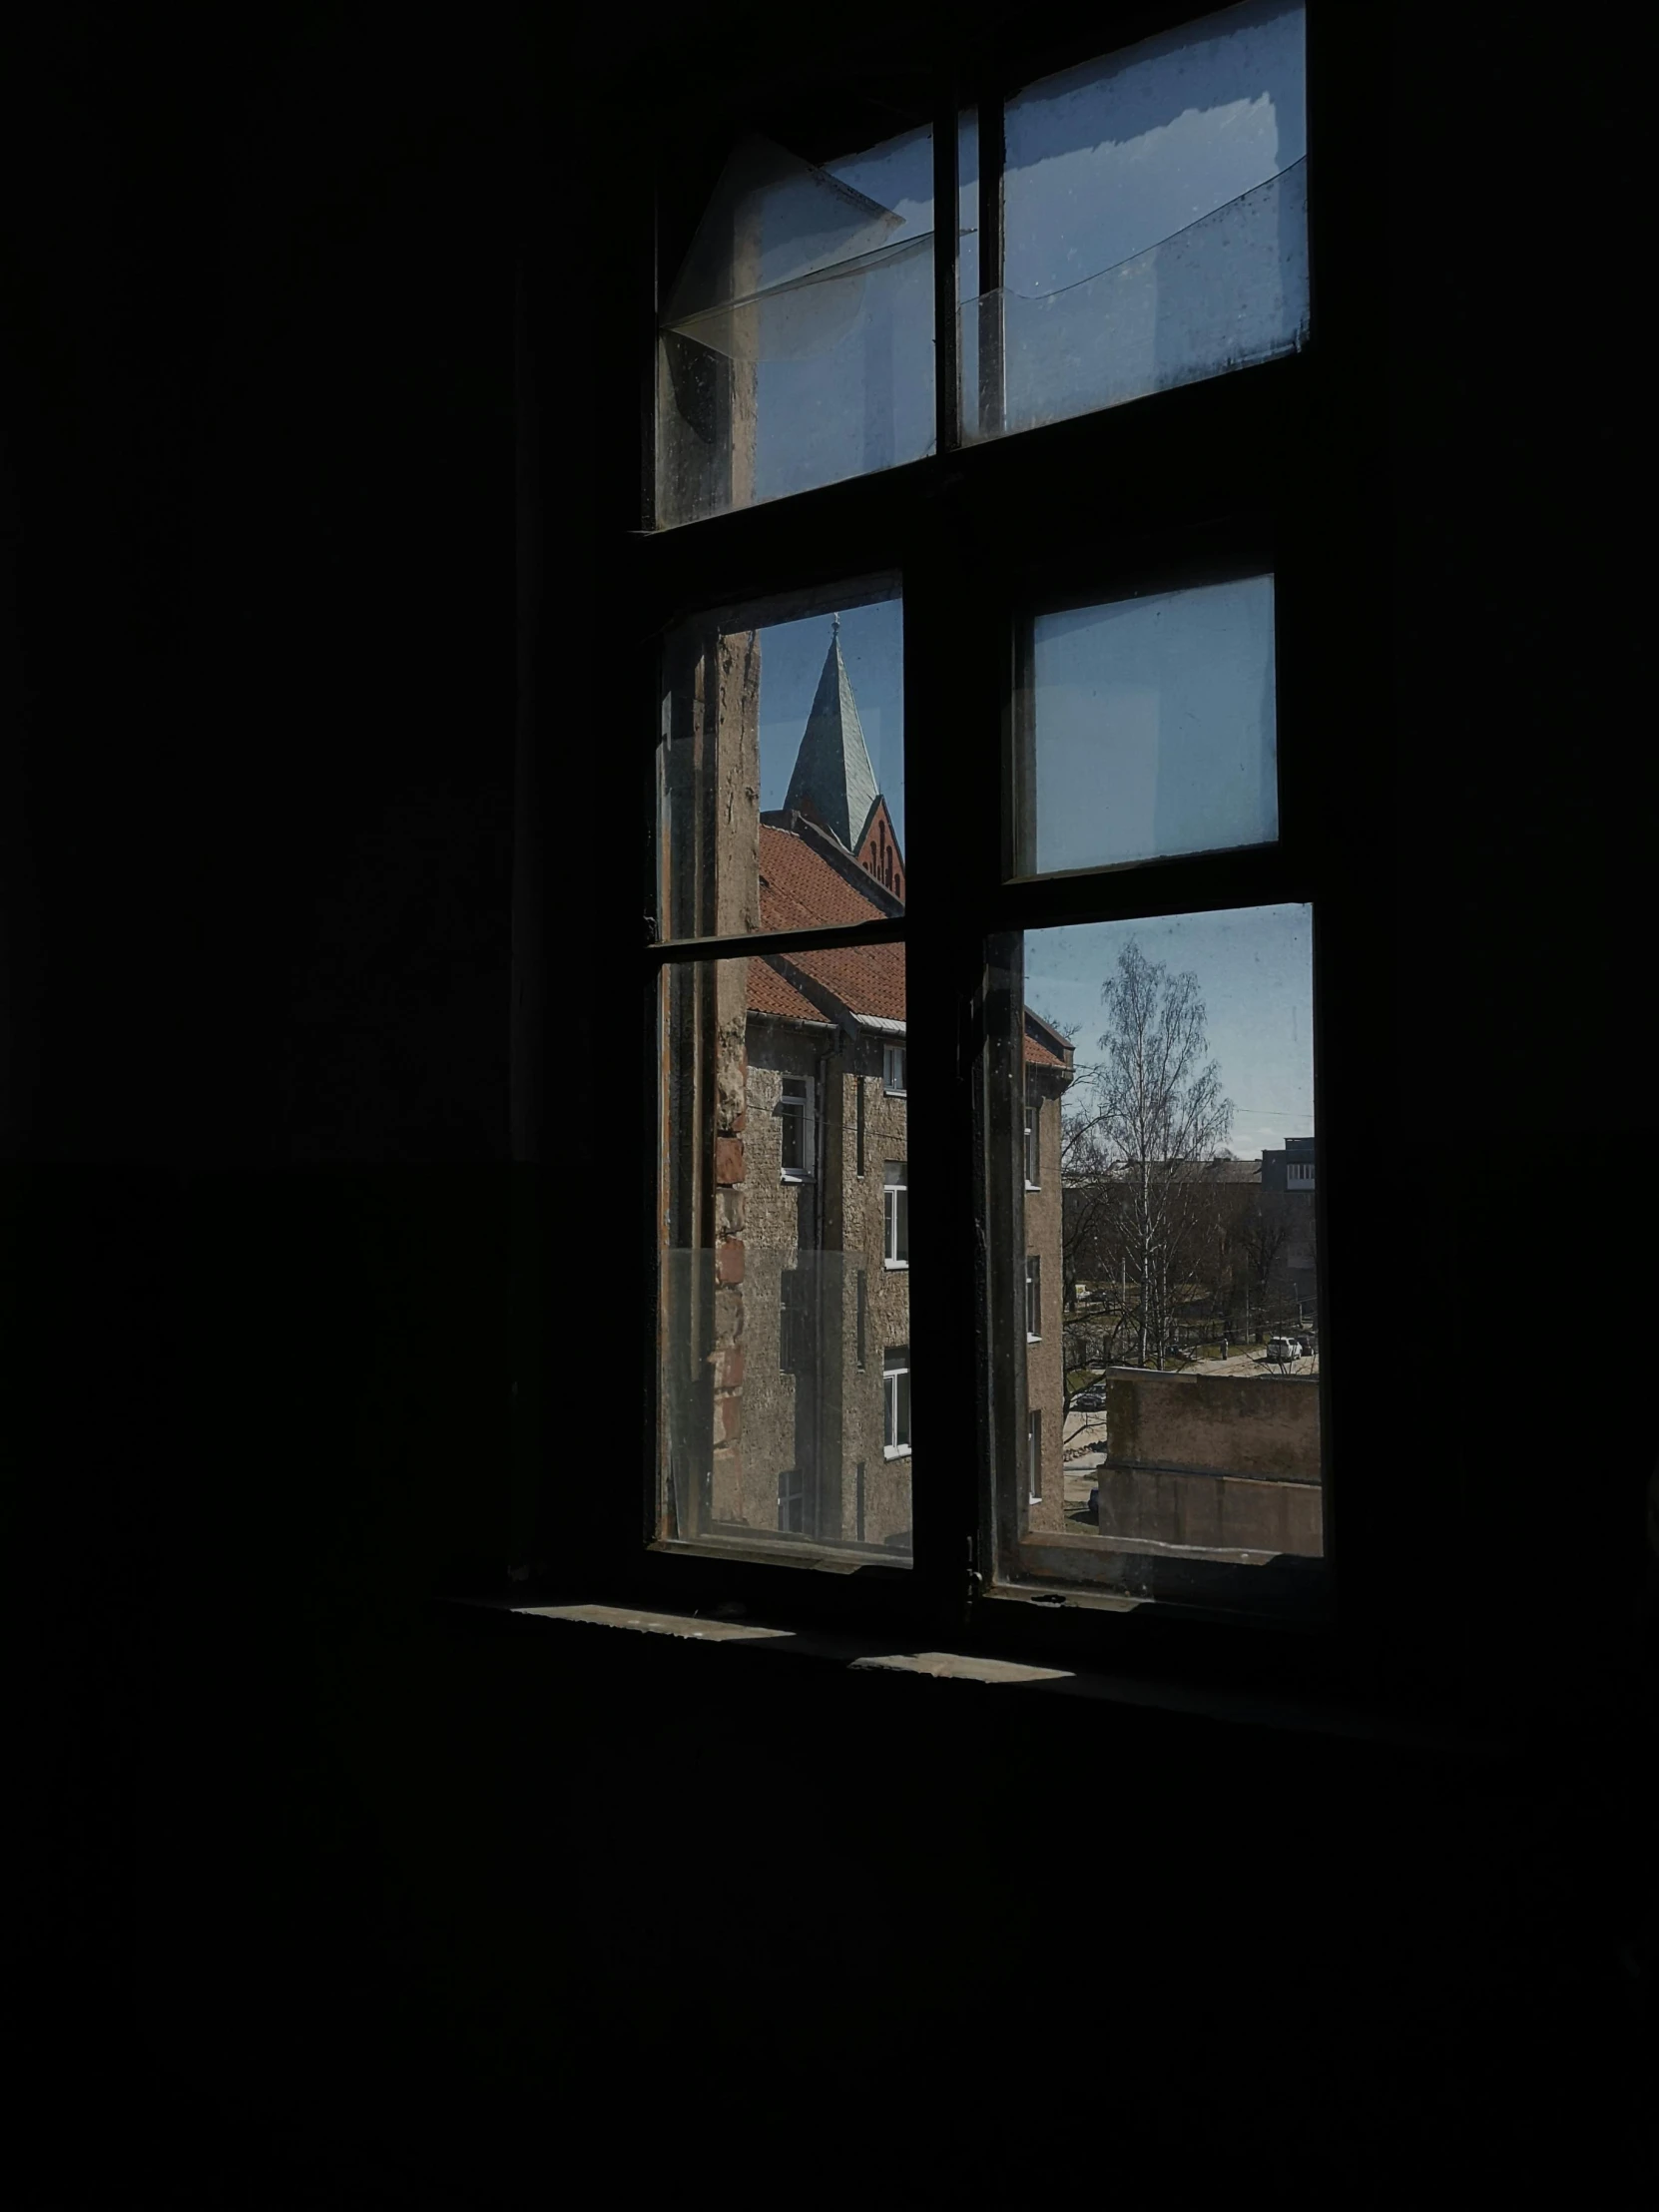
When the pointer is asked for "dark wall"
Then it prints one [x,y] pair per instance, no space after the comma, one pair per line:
[310,1881]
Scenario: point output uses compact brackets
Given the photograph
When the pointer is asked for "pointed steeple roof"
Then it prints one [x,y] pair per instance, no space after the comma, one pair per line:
[832,781]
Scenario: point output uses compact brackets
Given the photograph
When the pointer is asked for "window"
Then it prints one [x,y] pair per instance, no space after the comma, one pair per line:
[895,1201]
[795,1322]
[896,1386]
[1100,575]
[794,1127]
[792,1501]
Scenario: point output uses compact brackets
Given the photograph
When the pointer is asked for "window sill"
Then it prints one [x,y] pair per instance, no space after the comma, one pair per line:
[896,1267]
[1245,1708]
[895,1452]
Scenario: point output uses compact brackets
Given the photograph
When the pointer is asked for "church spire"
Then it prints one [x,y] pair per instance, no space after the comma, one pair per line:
[833,783]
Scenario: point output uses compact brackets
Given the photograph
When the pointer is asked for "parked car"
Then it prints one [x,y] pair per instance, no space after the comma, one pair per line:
[1090,1399]
[1285,1348]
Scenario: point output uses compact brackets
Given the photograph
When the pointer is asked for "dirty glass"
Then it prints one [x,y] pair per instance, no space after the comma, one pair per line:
[1155,223]
[1172,1368]
[795,340]
[1145,728]
[784,1365]
[780,800]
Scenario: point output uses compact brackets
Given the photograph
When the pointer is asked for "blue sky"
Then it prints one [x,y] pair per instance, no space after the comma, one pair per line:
[1255,972]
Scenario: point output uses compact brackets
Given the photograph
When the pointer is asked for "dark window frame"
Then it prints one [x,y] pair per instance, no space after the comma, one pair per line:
[1213,473]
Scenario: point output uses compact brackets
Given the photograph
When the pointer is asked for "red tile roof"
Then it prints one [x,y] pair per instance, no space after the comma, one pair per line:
[801,889]
[867,978]
[771,993]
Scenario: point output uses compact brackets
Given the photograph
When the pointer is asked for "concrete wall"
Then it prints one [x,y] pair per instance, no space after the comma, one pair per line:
[1228,1463]
[1265,1425]
[1210,1512]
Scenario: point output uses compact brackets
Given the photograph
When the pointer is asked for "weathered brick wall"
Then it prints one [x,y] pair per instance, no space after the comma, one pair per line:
[777,1234]
[826,1421]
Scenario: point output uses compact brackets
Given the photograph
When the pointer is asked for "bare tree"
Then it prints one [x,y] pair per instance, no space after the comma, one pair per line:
[1261,1237]
[1155,1114]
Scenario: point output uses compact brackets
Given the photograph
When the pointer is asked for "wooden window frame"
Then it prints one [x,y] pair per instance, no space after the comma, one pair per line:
[1281,463]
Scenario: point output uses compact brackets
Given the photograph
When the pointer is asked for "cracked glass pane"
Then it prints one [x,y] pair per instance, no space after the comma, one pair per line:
[795,342]
[1155,223]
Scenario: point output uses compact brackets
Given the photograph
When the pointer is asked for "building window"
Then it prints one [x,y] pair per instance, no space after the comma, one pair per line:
[893,1069]
[1034,1458]
[895,1395]
[859,1117]
[791,1502]
[895,1211]
[861,1306]
[1033,1297]
[1033,1159]
[795,1341]
[858,1502]
[795,1126]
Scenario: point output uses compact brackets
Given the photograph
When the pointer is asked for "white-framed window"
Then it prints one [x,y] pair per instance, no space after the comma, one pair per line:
[893,1070]
[895,1401]
[791,1502]
[1034,1458]
[794,1128]
[1033,1145]
[896,1214]
[1033,1297]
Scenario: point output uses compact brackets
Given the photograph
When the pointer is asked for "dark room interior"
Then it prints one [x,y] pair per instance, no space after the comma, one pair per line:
[333,1878]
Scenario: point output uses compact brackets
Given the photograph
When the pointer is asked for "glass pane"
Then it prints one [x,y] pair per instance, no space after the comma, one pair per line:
[784,1406]
[781,766]
[795,344]
[1161,1306]
[1155,221]
[1146,728]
